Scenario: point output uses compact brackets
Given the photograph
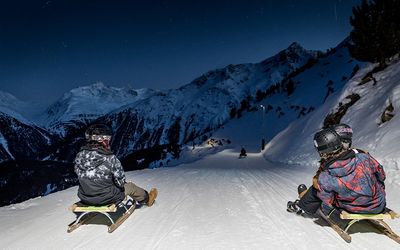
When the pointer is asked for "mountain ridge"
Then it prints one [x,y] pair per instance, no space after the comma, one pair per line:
[153,130]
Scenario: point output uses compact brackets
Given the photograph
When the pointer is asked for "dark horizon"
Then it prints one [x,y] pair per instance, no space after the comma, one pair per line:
[50,47]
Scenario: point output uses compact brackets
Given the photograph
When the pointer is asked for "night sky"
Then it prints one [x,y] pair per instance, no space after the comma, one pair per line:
[49,47]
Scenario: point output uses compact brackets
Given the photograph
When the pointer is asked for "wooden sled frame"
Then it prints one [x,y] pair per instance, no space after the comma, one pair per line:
[375,220]
[89,212]
[378,217]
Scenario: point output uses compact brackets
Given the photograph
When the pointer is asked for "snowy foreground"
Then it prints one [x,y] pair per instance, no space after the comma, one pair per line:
[217,202]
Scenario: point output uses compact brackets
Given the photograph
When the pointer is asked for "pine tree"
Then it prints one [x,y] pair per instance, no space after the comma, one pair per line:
[376,30]
[290,87]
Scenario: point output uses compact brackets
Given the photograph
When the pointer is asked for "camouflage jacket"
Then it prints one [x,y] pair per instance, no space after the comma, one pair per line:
[101,177]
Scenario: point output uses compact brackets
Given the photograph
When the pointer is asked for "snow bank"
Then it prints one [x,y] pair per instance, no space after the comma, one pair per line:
[381,139]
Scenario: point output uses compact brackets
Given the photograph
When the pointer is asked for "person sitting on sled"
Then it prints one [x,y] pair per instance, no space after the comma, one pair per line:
[100,174]
[349,180]
[243,153]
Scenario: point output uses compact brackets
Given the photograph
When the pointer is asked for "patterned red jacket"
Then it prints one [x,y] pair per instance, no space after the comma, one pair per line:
[353,182]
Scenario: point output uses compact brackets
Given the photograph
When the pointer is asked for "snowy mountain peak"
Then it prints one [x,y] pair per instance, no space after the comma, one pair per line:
[14,107]
[295,46]
[99,90]
[86,103]
[295,50]
[293,54]
[7,98]
[286,60]
[98,85]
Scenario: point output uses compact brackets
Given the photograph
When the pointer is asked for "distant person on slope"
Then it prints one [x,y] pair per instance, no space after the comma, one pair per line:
[349,180]
[100,173]
[243,153]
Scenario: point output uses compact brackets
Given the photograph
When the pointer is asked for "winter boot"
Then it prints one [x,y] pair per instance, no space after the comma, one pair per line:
[293,207]
[301,190]
[152,197]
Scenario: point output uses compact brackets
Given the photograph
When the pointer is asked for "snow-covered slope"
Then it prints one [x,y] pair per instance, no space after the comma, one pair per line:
[364,116]
[217,202]
[312,85]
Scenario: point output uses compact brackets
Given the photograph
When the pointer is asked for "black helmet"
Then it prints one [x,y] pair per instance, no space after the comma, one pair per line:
[98,132]
[327,141]
[344,131]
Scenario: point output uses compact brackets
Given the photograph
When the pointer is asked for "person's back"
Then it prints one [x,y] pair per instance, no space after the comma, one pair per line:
[101,175]
[347,179]
[353,182]
[98,174]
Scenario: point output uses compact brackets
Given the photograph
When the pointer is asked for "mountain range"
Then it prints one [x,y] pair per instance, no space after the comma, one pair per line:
[150,126]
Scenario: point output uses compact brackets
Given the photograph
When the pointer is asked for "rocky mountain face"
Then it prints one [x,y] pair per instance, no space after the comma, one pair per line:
[19,140]
[20,178]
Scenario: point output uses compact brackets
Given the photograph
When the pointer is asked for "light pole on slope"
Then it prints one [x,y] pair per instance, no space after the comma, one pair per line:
[262,127]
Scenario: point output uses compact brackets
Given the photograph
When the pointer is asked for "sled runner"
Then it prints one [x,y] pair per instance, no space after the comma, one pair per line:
[375,220]
[112,212]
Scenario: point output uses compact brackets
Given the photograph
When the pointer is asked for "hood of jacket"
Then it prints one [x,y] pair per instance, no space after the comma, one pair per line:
[90,160]
[342,165]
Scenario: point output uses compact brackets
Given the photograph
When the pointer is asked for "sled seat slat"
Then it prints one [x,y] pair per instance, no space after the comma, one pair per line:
[387,215]
[79,207]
